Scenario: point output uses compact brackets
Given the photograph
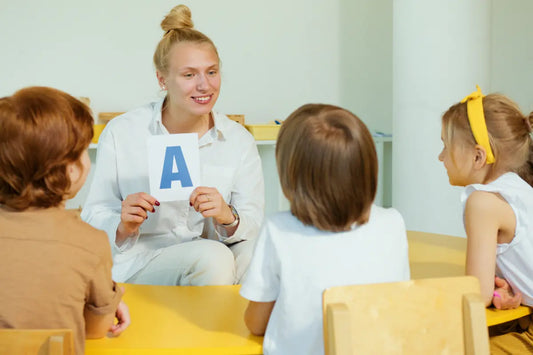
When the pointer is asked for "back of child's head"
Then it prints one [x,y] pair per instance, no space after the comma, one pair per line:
[327,166]
[42,130]
[509,133]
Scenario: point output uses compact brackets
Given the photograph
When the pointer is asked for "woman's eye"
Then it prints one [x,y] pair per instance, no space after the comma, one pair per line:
[212,72]
[188,75]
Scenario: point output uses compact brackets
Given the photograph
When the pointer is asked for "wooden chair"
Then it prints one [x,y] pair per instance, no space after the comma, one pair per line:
[426,316]
[37,341]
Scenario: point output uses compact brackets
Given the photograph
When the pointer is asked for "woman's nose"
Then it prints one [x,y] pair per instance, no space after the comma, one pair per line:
[201,84]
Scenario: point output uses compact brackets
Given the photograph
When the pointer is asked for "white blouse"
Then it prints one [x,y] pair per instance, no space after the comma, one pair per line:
[229,161]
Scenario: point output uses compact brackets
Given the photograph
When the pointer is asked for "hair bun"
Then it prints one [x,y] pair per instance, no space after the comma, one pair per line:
[178,18]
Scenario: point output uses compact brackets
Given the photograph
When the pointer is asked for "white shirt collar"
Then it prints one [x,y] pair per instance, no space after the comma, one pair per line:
[218,131]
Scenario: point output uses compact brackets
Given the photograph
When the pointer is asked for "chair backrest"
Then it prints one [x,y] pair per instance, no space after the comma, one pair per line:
[426,316]
[36,341]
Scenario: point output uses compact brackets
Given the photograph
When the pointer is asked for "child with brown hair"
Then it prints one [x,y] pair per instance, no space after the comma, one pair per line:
[488,149]
[332,236]
[56,268]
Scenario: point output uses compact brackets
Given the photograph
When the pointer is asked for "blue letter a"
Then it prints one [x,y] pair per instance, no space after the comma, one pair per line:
[174,154]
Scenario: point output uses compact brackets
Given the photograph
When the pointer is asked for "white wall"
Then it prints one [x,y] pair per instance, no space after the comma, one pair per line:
[512,51]
[441,51]
[276,55]
[366,61]
[420,186]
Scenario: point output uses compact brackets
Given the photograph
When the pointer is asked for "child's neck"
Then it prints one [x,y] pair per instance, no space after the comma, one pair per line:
[489,174]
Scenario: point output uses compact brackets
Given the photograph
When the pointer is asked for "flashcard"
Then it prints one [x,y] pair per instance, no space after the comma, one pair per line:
[174,163]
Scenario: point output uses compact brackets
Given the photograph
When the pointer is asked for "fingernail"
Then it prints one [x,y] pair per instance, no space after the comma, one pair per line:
[146,217]
[190,204]
[157,203]
[153,210]
[496,294]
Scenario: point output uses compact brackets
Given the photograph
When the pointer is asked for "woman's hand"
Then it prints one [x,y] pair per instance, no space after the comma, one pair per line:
[134,212]
[210,203]
[123,316]
[503,297]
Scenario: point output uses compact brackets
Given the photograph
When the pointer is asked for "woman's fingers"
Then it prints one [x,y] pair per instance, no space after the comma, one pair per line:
[134,212]
[142,200]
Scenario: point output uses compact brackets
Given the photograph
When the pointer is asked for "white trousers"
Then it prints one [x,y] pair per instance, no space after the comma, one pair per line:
[197,263]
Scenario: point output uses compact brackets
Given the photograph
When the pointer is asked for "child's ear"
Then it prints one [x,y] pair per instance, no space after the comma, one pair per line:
[480,159]
[74,172]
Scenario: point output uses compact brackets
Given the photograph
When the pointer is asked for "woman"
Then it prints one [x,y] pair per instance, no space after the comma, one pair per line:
[179,242]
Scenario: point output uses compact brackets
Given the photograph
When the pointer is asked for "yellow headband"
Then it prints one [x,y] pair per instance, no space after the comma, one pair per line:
[476,117]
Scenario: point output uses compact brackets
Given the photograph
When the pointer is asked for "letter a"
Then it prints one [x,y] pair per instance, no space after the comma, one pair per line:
[174,154]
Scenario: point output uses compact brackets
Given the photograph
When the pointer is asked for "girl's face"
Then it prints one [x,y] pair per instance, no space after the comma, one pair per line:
[193,78]
[459,162]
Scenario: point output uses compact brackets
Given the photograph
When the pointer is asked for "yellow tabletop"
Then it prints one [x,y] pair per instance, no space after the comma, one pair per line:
[209,319]
[182,320]
[437,255]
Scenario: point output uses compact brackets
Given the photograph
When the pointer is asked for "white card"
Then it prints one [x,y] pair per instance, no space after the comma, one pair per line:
[174,163]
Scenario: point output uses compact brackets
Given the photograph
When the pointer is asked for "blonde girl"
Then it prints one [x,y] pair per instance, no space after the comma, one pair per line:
[488,149]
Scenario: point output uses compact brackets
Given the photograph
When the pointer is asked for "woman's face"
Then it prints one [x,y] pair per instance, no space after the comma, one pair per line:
[193,78]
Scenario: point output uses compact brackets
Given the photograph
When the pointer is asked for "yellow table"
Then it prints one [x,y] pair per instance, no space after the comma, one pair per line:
[209,319]
[182,320]
[437,255]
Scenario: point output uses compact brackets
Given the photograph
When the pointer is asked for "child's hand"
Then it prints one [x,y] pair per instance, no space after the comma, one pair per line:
[503,297]
[123,316]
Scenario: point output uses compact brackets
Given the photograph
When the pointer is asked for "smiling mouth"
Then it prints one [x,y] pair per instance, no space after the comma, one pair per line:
[202,99]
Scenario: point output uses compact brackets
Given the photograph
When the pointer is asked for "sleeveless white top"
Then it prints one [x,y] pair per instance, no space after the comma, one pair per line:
[514,261]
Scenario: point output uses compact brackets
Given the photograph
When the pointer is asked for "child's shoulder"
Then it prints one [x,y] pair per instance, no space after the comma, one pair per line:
[78,234]
[380,215]
[282,220]
[509,185]
[61,227]
[380,218]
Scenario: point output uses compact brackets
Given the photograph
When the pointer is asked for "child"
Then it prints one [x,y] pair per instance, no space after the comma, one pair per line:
[56,269]
[488,149]
[332,236]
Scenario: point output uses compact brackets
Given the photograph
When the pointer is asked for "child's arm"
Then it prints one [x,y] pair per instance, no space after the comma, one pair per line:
[482,221]
[257,315]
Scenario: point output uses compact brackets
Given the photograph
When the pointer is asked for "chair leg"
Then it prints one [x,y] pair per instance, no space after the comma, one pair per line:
[338,333]
[475,325]
[55,345]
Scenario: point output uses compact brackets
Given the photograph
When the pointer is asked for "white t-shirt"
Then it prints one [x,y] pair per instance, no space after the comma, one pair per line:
[514,261]
[229,161]
[293,264]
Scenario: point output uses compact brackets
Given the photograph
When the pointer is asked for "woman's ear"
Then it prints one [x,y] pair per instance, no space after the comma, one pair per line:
[161,80]
[480,157]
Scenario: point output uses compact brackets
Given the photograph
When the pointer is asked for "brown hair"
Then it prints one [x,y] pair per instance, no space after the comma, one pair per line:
[41,131]
[178,27]
[508,129]
[327,166]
